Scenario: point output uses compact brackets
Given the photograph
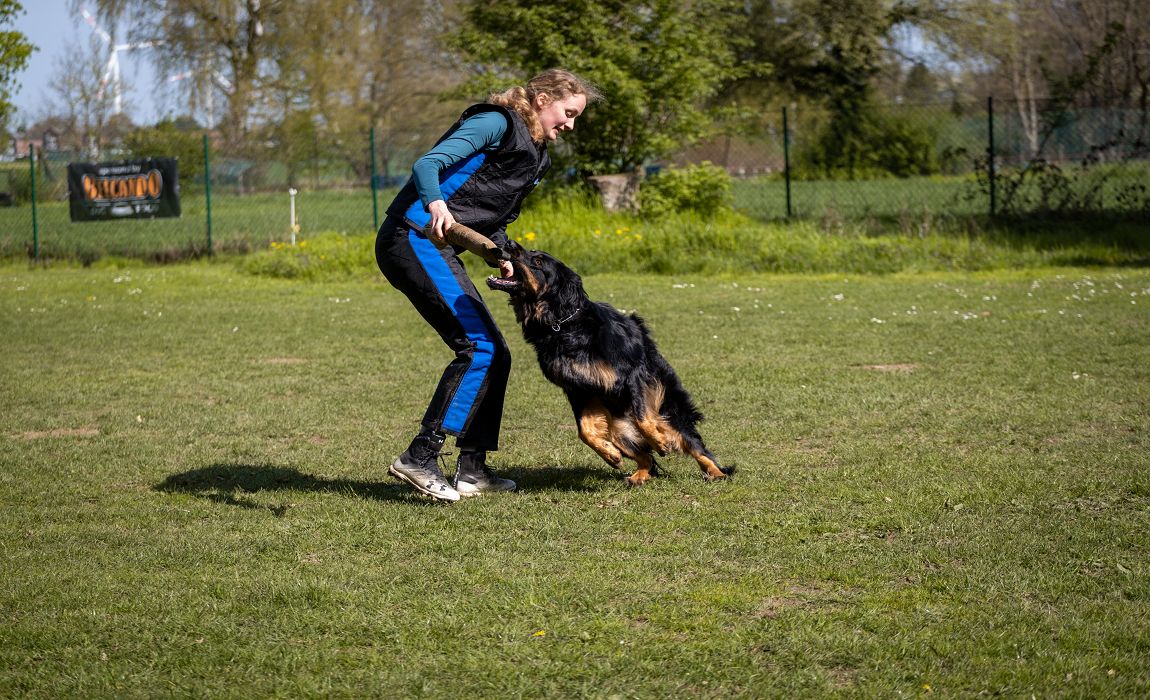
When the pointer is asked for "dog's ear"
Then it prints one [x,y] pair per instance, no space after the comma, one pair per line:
[569,288]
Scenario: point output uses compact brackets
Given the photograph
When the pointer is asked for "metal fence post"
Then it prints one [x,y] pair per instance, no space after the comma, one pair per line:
[990,166]
[374,194]
[208,191]
[35,223]
[787,159]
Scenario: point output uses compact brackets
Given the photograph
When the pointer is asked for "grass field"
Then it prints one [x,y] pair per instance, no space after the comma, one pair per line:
[943,491]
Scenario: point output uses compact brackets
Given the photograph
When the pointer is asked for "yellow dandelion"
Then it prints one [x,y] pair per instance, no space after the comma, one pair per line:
[540,633]
[530,235]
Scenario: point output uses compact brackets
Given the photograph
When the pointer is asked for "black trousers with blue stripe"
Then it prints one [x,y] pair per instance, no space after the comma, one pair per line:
[468,402]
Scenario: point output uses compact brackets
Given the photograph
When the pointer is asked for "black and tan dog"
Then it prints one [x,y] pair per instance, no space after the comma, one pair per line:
[628,401]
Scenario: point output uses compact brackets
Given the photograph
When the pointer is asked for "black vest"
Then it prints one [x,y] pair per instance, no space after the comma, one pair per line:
[486,190]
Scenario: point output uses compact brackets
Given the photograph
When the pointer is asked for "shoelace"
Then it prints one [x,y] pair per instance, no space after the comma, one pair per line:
[443,460]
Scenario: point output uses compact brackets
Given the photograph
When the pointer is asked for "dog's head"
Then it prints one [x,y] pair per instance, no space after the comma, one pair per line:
[542,288]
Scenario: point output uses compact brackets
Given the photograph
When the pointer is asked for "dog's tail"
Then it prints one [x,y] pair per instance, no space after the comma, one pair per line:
[684,418]
[708,462]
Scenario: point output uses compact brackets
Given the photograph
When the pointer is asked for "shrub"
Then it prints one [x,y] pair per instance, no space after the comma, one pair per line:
[170,139]
[18,184]
[703,189]
[870,143]
[326,256]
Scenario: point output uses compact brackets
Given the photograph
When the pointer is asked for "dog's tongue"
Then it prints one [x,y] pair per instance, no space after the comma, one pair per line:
[502,284]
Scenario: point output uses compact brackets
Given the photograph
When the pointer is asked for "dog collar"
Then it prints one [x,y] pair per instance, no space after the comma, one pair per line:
[557,326]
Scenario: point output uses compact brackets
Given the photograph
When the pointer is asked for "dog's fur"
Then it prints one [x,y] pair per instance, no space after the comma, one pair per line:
[628,401]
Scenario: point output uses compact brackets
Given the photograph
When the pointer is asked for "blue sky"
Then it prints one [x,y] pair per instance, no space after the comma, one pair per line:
[49,26]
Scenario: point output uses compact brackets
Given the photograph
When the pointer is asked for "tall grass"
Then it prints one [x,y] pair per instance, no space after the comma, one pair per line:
[592,241]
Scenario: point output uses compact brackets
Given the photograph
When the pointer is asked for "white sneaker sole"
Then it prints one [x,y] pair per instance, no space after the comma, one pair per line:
[448,496]
[466,493]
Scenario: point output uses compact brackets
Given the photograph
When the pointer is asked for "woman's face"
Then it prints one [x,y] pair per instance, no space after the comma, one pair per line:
[556,116]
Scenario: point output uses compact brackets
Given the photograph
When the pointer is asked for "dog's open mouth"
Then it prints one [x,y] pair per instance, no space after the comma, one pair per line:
[502,284]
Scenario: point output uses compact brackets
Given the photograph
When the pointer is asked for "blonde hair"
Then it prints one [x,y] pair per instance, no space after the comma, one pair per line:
[556,83]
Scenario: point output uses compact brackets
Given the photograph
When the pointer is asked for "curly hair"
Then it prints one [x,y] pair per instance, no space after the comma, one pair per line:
[556,83]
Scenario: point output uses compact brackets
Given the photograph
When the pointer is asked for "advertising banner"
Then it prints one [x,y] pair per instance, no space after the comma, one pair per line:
[128,189]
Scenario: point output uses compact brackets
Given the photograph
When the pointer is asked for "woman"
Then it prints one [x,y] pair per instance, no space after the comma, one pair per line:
[478,175]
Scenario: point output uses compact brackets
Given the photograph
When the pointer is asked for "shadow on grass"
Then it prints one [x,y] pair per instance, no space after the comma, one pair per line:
[231,484]
[557,478]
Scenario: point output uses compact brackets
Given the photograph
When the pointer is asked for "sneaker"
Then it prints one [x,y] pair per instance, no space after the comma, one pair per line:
[417,467]
[474,478]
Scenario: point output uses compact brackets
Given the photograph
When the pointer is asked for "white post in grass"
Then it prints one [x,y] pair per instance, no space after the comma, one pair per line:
[294,226]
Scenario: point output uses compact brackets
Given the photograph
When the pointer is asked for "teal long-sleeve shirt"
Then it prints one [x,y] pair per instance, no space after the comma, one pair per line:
[477,133]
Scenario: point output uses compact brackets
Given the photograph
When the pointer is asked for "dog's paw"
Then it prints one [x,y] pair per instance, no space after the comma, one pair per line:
[637,480]
[727,472]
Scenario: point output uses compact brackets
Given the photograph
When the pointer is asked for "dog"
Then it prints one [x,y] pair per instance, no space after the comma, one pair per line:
[628,401]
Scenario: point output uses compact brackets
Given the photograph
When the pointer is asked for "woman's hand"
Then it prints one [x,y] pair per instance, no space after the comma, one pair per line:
[441,220]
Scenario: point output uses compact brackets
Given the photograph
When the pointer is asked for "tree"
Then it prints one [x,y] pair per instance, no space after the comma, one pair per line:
[920,84]
[656,61]
[1068,52]
[15,50]
[222,45]
[303,77]
[833,55]
[379,65]
[78,100]
[827,49]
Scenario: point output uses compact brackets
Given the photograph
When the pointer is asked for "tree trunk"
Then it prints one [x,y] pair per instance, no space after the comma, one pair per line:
[619,192]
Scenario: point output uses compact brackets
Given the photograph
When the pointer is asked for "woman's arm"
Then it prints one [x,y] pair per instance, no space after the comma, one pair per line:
[477,133]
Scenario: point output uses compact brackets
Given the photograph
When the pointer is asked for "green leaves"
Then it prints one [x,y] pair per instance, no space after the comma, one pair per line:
[657,63]
[15,50]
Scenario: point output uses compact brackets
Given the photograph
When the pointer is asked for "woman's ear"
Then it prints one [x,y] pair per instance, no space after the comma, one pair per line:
[542,99]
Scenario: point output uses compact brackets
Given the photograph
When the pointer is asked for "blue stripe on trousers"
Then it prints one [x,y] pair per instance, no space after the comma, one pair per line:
[458,411]
[452,179]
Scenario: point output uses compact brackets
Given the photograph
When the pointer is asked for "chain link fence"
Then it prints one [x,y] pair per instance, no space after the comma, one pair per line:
[905,166]
[910,164]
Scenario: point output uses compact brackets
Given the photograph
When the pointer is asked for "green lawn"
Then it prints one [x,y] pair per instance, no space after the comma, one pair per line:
[943,490]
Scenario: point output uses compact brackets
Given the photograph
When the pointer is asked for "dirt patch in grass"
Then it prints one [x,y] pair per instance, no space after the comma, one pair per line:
[899,368]
[282,361]
[799,596]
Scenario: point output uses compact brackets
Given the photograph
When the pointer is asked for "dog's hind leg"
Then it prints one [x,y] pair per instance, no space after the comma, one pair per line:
[595,430]
[629,438]
[655,428]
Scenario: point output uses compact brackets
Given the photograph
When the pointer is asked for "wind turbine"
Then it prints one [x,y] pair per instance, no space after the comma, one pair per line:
[112,71]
